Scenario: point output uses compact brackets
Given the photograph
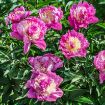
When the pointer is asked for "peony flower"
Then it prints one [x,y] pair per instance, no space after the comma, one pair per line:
[99,61]
[44,87]
[45,63]
[30,30]
[17,15]
[81,15]
[73,44]
[51,16]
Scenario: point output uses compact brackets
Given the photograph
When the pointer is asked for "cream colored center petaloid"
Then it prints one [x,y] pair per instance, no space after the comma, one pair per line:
[36,35]
[47,91]
[51,88]
[73,44]
[47,16]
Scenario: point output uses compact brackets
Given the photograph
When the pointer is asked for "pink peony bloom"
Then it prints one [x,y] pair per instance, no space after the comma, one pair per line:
[81,15]
[99,61]
[45,63]
[73,44]
[17,15]
[44,87]
[51,16]
[30,30]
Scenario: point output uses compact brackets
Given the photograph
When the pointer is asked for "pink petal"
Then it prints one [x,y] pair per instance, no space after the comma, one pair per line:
[93,20]
[28,84]
[16,35]
[27,13]
[57,26]
[102,77]
[40,44]
[31,93]
[31,60]
[58,65]
[57,78]
[27,44]
[55,95]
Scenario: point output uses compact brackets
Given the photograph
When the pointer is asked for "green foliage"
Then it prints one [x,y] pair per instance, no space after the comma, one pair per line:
[81,83]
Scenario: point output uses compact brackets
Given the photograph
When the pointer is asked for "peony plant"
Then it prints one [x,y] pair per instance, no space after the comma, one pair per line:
[45,26]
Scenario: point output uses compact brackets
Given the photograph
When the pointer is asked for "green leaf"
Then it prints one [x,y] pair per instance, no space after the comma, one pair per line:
[68,5]
[78,77]
[102,25]
[84,100]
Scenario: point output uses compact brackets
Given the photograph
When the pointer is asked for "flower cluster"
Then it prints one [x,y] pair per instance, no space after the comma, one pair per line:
[31,29]
[99,62]
[44,84]
[73,43]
